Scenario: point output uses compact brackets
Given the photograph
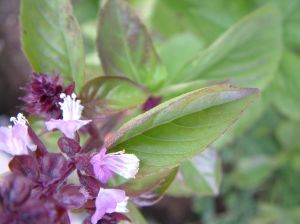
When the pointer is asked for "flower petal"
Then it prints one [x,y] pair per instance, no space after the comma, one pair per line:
[126,165]
[68,128]
[109,201]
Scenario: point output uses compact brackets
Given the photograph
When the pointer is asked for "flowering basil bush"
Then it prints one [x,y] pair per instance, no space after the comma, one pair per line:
[120,138]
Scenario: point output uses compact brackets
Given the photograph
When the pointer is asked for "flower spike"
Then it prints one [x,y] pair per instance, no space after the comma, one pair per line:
[71,110]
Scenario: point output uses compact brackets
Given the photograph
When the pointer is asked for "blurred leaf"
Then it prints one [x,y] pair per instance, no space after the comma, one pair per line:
[166,21]
[52,40]
[141,185]
[287,84]
[207,18]
[288,133]
[185,43]
[108,94]
[253,171]
[182,127]
[203,172]
[148,190]
[291,19]
[135,215]
[246,55]
[270,213]
[125,47]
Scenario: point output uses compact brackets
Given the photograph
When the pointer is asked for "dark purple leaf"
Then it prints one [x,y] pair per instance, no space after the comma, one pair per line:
[90,183]
[41,148]
[71,196]
[24,165]
[14,191]
[53,167]
[68,146]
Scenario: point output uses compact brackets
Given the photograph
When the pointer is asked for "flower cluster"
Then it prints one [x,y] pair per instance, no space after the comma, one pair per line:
[38,189]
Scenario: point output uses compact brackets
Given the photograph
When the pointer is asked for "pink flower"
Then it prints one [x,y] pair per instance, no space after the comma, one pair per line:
[109,201]
[15,139]
[105,165]
[71,122]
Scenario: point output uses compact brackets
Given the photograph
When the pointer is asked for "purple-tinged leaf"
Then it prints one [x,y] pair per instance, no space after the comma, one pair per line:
[41,148]
[71,196]
[90,183]
[25,165]
[127,49]
[53,167]
[68,146]
[14,191]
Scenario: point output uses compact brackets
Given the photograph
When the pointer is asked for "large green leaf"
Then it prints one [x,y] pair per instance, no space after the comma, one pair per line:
[125,47]
[182,127]
[246,55]
[51,39]
[287,84]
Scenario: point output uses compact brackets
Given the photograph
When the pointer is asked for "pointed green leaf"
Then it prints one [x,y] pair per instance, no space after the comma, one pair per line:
[125,47]
[51,39]
[246,55]
[182,127]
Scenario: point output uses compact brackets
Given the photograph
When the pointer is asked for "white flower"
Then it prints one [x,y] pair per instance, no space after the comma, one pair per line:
[15,139]
[71,122]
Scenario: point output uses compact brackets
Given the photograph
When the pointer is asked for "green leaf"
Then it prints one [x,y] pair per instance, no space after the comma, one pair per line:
[186,43]
[148,190]
[206,18]
[203,172]
[246,55]
[125,47]
[291,18]
[135,215]
[252,172]
[180,128]
[287,84]
[52,40]
[201,175]
[107,94]
[288,133]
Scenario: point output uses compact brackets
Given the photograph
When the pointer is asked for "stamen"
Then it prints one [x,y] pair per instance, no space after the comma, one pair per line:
[21,119]
[70,107]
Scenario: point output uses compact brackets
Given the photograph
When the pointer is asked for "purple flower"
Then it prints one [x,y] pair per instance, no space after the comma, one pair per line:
[15,139]
[109,201]
[42,95]
[105,165]
[71,109]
